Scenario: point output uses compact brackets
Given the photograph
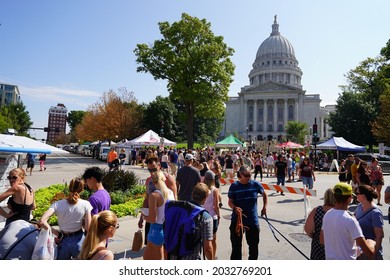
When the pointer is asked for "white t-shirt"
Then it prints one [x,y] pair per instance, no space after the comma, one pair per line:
[340,231]
[70,217]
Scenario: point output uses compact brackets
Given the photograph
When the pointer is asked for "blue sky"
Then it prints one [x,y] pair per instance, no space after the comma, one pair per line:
[72,51]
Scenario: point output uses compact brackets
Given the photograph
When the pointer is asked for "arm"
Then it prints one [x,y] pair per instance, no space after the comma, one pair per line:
[322,241]
[216,202]
[379,234]
[45,217]
[171,184]
[153,200]
[309,225]
[265,202]
[367,246]
[387,197]
[87,221]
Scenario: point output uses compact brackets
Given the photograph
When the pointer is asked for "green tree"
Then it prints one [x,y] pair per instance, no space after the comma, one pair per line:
[74,118]
[296,131]
[381,126]
[196,65]
[17,117]
[159,116]
[352,118]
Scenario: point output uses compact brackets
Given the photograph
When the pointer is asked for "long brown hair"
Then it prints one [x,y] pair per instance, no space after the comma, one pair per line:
[76,186]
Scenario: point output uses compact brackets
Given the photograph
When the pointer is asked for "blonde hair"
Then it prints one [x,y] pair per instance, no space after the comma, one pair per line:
[329,197]
[100,222]
[158,179]
[76,186]
[18,171]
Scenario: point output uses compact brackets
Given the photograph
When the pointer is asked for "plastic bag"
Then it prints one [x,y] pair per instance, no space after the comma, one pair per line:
[45,248]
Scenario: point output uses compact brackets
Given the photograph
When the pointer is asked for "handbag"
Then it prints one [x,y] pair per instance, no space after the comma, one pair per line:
[137,240]
[45,247]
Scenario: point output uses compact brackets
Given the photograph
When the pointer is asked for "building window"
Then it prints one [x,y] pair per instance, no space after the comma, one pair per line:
[280,127]
[250,113]
[270,113]
[260,113]
[290,112]
[280,112]
[270,128]
[250,128]
[260,127]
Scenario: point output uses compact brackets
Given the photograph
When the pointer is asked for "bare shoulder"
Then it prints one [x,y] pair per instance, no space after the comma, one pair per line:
[104,255]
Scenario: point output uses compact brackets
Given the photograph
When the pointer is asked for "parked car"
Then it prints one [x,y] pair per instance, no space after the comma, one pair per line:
[103,153]
[384,160]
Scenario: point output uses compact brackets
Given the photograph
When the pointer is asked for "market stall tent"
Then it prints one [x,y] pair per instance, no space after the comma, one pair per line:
[149,138]
[229,142]
[340,144]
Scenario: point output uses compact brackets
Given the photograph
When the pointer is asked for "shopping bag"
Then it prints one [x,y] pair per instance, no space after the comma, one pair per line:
[45,247]
[137,240]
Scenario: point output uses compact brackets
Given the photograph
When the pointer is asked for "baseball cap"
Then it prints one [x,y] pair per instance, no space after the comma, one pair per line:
[209,175]
[343,189]
[189,157]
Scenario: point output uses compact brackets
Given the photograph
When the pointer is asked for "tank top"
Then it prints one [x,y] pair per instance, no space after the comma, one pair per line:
[22,211]
[209,205]
[161,210]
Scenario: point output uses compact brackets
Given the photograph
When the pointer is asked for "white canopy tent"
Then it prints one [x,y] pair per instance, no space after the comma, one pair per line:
[21,144]
[340,144]
[149,138]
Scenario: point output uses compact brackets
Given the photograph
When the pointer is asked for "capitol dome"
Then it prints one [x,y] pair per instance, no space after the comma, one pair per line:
[275,61]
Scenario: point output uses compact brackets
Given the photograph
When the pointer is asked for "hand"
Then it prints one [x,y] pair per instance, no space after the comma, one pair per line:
[141,222]
[237,210]
[264,212]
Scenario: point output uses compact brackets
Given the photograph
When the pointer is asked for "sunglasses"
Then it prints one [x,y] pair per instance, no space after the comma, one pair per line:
[151,170]
[246,175]
[116,226]
[12,177]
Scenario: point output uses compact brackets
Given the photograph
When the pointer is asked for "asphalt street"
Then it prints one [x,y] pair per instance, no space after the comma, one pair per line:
[286,214]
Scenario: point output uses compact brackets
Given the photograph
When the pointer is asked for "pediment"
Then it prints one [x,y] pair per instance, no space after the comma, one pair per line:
[270,87]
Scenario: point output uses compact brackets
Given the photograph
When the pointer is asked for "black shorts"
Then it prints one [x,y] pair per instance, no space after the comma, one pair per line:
[30,164]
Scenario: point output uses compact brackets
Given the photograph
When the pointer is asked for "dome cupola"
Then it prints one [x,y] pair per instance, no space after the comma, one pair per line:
[275,61]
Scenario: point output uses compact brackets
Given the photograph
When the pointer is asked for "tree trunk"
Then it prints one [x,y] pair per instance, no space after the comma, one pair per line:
[190,125]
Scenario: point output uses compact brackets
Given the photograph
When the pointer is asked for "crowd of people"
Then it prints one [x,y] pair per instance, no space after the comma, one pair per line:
[84,226]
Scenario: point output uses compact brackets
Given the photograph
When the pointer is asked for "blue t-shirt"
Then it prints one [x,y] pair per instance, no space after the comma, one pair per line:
[245,197]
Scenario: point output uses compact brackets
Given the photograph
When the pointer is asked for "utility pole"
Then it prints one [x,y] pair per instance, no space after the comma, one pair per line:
[315,140]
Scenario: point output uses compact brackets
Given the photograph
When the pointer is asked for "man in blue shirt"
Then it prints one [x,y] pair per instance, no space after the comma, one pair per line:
[243,200]
[30,158]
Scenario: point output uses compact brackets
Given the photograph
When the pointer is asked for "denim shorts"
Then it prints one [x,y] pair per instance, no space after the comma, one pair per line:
[156,234]
[308,181]
[70,247]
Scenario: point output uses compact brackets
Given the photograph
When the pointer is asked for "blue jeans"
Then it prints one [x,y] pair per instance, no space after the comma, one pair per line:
[308,181]
[280,180]
[70,247]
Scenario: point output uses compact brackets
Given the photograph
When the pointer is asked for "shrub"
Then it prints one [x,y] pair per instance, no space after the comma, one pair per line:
[123,203]
[119,180]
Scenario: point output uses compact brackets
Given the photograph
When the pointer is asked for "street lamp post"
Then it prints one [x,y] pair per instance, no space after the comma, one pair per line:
[247,133]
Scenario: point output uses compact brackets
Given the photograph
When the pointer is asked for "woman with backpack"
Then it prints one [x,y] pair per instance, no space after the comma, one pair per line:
[155,247]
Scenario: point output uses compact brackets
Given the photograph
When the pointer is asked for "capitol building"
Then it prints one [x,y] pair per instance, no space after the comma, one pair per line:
[274,96]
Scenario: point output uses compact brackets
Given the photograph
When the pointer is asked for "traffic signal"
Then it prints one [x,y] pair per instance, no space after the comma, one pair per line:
[46,129]
[315,129]
[316,139]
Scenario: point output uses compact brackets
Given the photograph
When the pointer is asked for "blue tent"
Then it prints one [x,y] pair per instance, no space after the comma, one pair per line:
[340,144]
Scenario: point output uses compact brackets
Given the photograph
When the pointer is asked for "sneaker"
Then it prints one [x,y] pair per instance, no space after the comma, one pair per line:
[220,205]
[282,193]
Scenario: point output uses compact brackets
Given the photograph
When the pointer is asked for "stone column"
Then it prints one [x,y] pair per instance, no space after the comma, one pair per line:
[255,115]
[296,110]
[245,123]
[265,115]
[285,112]
[275,124]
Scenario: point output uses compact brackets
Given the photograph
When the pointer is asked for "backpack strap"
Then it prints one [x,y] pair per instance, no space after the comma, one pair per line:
[96,251]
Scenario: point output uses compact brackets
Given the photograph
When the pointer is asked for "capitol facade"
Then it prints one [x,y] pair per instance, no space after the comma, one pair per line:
[274,96]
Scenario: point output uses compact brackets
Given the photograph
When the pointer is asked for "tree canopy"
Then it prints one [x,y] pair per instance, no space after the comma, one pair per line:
[296,131]
[196,65]
[15,116]
[115,117]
